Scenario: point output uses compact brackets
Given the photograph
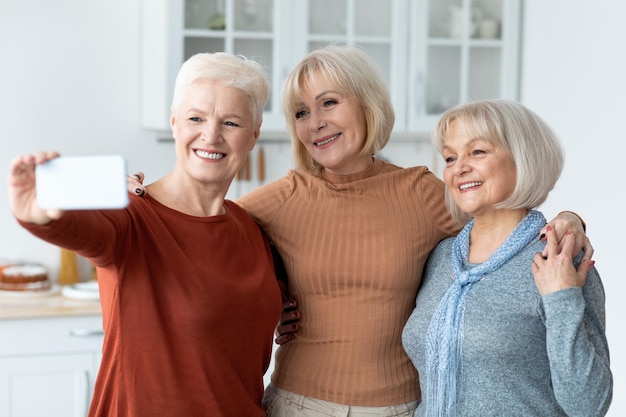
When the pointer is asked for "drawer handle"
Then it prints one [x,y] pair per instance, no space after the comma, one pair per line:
[86,332]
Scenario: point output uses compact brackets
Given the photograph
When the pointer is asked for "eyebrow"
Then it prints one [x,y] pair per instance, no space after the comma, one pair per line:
[317,97]
[323,93]
[469,142]
[227,115]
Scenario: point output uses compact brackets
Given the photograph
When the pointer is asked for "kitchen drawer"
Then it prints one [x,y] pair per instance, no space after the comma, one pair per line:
[51,335]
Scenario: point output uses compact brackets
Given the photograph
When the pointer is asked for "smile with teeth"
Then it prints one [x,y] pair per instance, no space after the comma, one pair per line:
[469,185]
[324,142]
[209,155]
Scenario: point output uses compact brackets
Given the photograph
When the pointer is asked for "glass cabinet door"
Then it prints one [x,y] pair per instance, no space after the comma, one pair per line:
[364,23]
[469,52]
[377,27]
[241,27]
[174,30]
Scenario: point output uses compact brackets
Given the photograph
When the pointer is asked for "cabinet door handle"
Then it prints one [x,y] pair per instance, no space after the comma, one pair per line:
[419,93]
[86,332]
[83,392]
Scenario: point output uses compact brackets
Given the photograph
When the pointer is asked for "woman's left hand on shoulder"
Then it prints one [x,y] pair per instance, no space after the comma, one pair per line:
[553,268]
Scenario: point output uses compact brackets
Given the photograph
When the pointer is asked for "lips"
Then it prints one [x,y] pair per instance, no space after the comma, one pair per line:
[469,185]
[209,155]
[326,140]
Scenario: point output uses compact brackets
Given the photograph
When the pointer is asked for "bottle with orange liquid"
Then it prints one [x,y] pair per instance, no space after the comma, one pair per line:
[68,269]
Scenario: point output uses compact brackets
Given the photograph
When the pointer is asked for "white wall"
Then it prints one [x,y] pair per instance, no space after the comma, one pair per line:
[574,67]
[69,80]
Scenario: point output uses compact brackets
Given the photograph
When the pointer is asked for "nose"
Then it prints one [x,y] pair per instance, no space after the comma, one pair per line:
[460,166]
[316,121]
[211,132]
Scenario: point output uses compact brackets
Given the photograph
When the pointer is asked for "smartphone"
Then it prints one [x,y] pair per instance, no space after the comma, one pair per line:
[82,183]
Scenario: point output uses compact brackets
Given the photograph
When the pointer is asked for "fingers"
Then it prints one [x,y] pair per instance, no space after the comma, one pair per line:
[140,177]
[20,167]
[588,250]
[581,242]
[583,269]
[551,245]
[553,268]
[289,304]
[282,339]
[288,317]
[286,329]
[25,163]
[134,184]
[289,314]
[22,189]
[288,325]
[285,332]
[567,244]
[568,221]
[42,157]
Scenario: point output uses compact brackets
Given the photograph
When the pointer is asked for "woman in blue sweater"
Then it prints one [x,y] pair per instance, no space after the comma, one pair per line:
[505,324]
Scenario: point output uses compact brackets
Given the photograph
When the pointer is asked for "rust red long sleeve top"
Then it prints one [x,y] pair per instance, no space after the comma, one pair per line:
[189,308]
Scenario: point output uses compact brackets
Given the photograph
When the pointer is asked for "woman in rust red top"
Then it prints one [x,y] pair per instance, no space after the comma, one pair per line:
[172,265]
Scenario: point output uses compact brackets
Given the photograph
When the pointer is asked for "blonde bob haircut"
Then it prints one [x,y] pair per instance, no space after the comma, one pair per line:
[350,71]
[228,70]
[533,146]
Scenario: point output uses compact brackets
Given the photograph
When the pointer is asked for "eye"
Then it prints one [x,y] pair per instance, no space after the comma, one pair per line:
[301,113]
[478,152]
[329,102]
[449,159]
[229,123]
[195,119]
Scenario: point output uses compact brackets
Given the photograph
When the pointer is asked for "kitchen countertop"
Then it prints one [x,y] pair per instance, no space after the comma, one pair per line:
[55,305]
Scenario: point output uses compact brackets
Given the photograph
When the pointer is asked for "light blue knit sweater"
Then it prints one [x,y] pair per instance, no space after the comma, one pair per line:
[522,354]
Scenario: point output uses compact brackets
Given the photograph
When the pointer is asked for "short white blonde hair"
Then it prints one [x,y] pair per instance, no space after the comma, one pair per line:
[229,70]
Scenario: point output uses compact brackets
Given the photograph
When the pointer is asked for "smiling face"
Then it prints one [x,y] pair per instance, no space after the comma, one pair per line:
[214,132]
[478,173]
[331,126]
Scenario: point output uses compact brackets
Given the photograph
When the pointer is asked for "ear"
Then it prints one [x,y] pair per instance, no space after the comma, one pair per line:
[172,119]
[256,134]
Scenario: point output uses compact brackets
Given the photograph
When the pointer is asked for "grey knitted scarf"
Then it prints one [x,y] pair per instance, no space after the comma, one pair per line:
[445,332]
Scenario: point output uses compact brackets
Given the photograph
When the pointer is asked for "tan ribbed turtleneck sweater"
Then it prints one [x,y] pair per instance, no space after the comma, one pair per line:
[354,248]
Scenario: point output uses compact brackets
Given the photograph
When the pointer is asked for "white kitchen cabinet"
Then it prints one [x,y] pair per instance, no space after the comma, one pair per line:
[378,27]
[174,30]
[433,53]
[48,365]
[460,50]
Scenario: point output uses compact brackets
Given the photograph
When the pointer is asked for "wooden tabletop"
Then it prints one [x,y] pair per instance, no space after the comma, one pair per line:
[13,306]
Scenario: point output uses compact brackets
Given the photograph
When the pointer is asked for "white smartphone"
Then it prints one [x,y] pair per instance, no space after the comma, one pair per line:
[82,182]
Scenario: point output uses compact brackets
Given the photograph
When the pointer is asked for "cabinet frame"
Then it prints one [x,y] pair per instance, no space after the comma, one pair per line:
[162,52]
